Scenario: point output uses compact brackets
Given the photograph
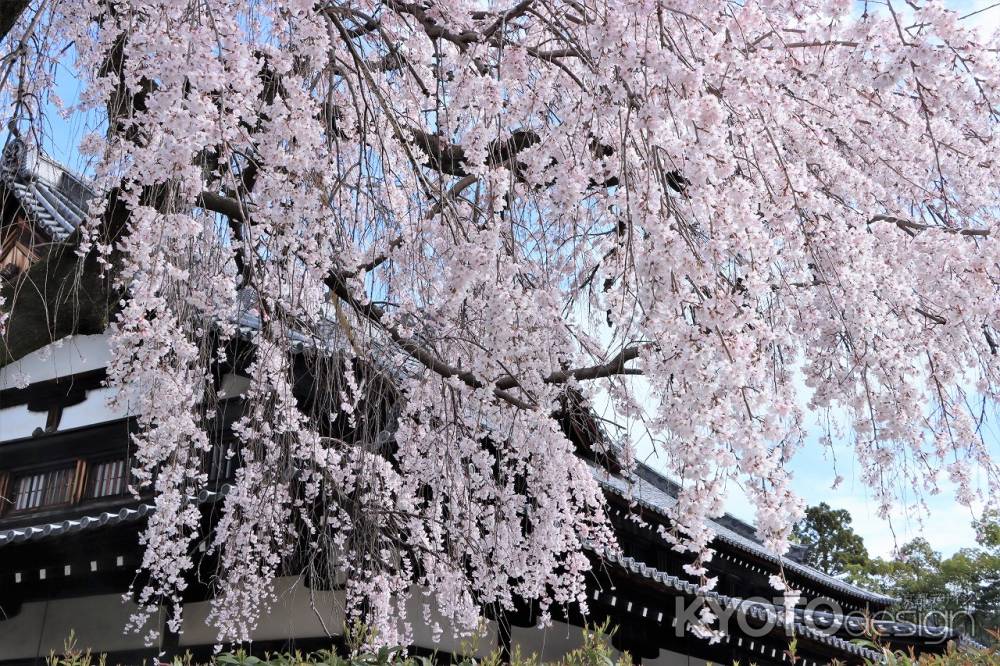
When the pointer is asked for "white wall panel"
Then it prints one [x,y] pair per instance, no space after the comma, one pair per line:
[298,613]
[97,622]
[69,356]
[17,422]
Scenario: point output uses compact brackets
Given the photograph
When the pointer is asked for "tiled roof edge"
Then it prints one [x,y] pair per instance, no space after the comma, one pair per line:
[753,608]
[759,550]
[103,519]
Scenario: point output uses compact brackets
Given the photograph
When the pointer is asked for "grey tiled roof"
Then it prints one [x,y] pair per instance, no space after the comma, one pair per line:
[815,625]
[54,198]
[654,498]
[104,519]
[755,609]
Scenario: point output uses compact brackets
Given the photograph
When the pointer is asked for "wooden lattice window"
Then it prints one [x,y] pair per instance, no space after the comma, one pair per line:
[221,465]
[107,478]
[44,488]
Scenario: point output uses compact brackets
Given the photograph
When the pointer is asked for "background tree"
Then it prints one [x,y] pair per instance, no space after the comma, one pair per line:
[962,590]
[448,214]
[831,544]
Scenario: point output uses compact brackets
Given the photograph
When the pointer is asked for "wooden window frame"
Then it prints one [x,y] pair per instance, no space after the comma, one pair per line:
[89,483]
[14,477]
[78,484]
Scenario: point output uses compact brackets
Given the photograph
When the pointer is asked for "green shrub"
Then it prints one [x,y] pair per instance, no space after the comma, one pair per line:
[951,657]
[595,651]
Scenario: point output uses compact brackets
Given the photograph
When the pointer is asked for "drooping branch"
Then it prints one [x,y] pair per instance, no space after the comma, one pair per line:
[455,191]
[713,173]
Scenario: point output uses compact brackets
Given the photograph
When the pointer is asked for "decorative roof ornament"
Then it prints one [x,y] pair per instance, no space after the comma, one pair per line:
[14,160]
[53,197]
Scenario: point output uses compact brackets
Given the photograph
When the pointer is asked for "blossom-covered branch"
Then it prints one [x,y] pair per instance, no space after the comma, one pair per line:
[443,218]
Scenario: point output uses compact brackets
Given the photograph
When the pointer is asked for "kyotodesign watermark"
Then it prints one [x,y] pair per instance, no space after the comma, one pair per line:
[757,617]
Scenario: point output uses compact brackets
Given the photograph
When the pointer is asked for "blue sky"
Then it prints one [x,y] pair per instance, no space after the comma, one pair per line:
[947,526]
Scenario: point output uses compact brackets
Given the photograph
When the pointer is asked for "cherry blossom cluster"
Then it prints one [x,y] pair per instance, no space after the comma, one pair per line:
[444,216]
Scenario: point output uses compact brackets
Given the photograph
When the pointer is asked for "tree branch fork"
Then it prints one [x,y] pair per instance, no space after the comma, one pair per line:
[337,282]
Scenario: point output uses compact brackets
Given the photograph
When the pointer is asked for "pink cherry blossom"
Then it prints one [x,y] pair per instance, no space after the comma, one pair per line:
[713,217]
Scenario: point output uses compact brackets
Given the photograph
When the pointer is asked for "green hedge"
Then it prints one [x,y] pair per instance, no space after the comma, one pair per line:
[595,651]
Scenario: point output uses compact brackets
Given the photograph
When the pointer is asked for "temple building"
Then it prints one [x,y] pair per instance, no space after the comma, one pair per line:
[69,528]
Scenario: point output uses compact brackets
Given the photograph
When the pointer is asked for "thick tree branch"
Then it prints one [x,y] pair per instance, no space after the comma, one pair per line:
[615,366]
[450,158]
[937,319]
[10,11]
[223,205]
[514,12]
[430,26]
[337,283]
[502,387]
[912,228]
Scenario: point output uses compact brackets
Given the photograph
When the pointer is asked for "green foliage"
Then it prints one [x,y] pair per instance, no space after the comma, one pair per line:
[988,531]
[951,657]
[595,651]
[73,656]
[832,546]
[962,590]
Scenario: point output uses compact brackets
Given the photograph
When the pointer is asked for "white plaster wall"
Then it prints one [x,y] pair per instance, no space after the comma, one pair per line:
[17,422]
[298,613]
[551,642]
[19,635]
[95,409]
[233,385]
[97,622]
[69,356]
[304,613]
[423,631]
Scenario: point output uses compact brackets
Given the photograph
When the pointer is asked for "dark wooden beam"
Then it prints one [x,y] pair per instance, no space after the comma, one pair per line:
[10,11]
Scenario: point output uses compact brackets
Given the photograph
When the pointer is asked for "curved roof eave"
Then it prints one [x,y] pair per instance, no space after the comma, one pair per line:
[660,502]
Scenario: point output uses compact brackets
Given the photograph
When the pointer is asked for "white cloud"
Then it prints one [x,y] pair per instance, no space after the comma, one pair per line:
[983,14]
